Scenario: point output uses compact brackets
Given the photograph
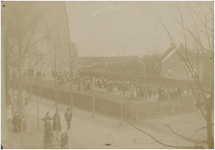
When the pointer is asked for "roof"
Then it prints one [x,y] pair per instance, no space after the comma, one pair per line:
[107,58]
[166,53]
[182,53]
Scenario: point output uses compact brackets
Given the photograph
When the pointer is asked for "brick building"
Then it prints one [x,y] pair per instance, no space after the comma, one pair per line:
[172,64]
[102,63]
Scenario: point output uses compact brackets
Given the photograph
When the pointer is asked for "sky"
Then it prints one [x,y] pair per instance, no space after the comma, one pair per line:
[123,28]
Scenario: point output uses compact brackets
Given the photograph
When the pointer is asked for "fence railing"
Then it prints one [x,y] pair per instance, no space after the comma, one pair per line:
[131,109]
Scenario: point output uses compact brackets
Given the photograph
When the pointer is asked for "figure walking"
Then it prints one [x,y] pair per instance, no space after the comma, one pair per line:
[47,124]
[17,123]
[56,122]
[68,118]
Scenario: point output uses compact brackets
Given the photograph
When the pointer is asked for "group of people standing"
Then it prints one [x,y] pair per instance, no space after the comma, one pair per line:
[130,89]
[166,93]
[62,77]
[49,140]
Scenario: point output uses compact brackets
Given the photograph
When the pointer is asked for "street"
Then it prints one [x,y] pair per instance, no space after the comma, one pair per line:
[100,131]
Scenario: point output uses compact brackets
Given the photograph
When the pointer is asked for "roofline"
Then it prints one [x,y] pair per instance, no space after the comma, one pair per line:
[166,53]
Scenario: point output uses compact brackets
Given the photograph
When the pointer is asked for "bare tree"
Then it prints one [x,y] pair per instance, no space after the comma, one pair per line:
[21,31]
[202,34]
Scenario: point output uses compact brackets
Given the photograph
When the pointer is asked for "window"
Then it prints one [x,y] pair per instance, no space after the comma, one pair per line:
[169,72]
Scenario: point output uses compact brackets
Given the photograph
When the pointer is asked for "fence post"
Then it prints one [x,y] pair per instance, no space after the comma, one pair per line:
[148,111]
[93,106]
[142,111]
[173,108]
[136,113]
[161,108]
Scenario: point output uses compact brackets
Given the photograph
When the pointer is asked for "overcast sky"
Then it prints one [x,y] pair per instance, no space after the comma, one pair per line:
[121,28]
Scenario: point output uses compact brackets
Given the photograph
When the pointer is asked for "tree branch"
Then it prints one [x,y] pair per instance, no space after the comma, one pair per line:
[188,30]
[180,147]
[188,139]
[158,38]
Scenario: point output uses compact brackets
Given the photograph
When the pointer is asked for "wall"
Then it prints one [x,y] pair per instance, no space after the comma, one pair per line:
[178,70]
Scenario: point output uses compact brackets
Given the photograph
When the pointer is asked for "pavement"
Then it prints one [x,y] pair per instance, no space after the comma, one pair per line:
[103,132]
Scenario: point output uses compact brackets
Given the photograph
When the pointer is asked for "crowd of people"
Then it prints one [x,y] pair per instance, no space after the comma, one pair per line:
[166,93]
[62,77]
[128,88]
[49,140]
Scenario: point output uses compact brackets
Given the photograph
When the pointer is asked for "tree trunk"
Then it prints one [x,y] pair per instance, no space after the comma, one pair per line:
[4,136]
[20,91]
[20,103]
[71,95]
[210,139]
[38,94]
[209,119]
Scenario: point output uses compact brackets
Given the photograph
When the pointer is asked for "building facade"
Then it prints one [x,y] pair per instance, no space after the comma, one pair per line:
[61,53]
[182,64]
[46,45]
[104,62]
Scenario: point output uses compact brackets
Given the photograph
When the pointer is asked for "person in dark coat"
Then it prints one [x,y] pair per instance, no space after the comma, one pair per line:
[141,93]
[123,89]
[64,140]
[68,118]
[154,92]
[56,122]
[47,124]
[145,93]
[79,84]
[48,127]
[150,92]
[16,121]
[48,138]
[160,93]
[138,92]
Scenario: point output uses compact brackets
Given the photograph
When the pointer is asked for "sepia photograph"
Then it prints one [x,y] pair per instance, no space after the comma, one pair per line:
[107,74]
